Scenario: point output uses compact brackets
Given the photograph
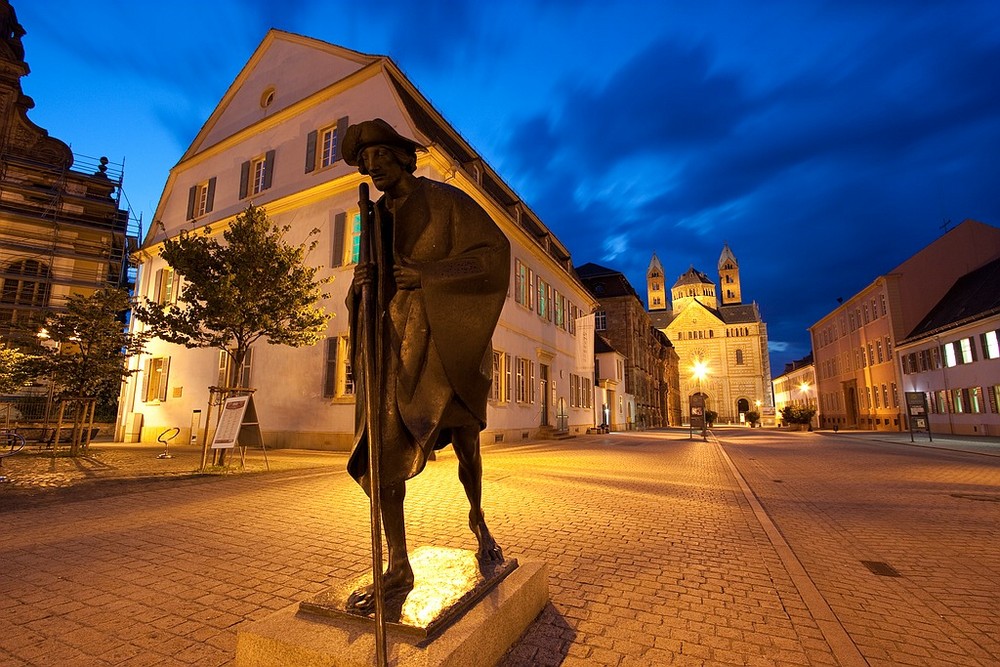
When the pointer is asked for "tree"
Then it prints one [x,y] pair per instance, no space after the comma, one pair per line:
[794,414]
[94,346]
[253,286]
[710,417]
[752,417]
[16,369]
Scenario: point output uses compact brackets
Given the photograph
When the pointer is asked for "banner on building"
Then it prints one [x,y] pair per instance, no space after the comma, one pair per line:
[585,345]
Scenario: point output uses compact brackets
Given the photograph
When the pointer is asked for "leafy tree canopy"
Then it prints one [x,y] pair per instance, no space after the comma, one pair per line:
[795,414]
[16,369]
[253,285]
[94,345]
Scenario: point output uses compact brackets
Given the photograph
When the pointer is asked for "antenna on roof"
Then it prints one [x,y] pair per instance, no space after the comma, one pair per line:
[944,227]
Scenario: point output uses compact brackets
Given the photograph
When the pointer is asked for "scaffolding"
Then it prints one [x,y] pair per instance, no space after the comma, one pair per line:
[63,231]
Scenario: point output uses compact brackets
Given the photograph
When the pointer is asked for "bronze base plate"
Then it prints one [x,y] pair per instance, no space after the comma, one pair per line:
[447,582]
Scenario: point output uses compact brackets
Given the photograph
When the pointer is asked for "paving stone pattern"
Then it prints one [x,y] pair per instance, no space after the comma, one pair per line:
[655,556]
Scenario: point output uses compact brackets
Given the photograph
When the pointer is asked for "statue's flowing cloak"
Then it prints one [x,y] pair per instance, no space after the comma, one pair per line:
[437,361]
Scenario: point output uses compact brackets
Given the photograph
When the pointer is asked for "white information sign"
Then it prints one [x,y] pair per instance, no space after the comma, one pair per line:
[233,412]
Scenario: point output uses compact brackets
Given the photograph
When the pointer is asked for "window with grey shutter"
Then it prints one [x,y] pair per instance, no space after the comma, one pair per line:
[210,204]
[311,151]
[268,169]
[192,193]
[244,179]
[330,376]
[339,232]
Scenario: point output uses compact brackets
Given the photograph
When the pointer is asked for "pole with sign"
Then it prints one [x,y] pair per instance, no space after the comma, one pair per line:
[916,411]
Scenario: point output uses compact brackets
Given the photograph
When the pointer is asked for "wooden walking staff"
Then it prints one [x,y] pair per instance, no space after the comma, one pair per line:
[372,307]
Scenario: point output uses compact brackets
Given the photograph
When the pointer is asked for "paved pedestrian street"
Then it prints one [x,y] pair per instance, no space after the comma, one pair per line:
[749,548]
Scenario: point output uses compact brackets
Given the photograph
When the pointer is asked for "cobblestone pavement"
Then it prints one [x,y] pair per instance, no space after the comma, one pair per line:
[932,516]
[657,554]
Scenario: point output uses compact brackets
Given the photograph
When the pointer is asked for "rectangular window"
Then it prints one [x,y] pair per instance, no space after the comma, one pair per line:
[976,400]
[507,371]
[255,175]
[532,397]
[226,364]
[968,350]
[878,349]
[601,321]
[991,345]
[257,172]
[959,399]
[948,350]
[885,396]
[871,355]
[882,300]
[500,392]
[165,283]
[519,380]
[338,376]
[876,398]
[895,396]
[154,386]
[941,399]
[559,301]
[544,297]
[522,286]
[327,146]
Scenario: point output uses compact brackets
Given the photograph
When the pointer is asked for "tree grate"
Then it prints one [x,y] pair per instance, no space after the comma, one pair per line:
[881,569]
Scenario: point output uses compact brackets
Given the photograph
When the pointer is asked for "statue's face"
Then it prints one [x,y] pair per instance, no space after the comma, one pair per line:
[384,167]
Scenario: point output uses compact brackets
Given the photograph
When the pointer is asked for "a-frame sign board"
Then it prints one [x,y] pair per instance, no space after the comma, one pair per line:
[238,426]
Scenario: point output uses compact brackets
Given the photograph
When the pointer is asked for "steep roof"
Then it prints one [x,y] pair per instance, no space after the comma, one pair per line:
[654,263]
[601,345]
[974,296]
[727,254]
[693,277]
[604,282]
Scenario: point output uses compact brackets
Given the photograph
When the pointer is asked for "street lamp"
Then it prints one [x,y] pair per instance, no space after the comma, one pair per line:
[699,371]
[760,418]
[804,388]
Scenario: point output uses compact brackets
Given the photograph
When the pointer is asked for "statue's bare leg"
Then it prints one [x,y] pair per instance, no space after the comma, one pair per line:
[398,577]
[465,440]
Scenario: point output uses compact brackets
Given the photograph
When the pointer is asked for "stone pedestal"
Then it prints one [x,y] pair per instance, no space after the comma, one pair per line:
[479,636]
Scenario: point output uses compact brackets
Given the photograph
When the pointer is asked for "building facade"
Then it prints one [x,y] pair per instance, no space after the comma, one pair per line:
[650,371]
[274,140]
[62,230]
[797,386]
[952,357]
[721,342]
[857,374]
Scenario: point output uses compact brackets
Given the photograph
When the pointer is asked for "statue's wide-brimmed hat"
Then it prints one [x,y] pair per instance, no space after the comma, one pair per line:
[372,133]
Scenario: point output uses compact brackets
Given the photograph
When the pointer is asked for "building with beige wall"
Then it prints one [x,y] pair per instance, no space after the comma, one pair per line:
[718,332]
[273,140]
[858,379]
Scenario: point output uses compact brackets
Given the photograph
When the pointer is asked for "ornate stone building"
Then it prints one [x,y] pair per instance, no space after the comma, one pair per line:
[650,362]
[62,230]
[716,334]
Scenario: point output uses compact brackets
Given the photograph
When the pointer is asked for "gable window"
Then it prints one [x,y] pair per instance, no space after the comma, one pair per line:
[201,199]
[323,146]
[256,174]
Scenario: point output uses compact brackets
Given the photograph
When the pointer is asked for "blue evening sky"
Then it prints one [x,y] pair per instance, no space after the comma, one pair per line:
[824,141]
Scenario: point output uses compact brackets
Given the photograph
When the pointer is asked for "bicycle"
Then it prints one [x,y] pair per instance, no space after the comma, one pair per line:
[11,442]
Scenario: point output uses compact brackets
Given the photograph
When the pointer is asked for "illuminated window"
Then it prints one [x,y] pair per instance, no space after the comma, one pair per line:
[544,298]
[338,376]
[257,171]
[991,345]
[976,400]
[154,384]
[165,286]
[500,392]
[878,349]
[328,147]
[601,321]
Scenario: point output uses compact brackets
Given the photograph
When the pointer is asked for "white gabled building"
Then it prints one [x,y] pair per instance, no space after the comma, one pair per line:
[274,140]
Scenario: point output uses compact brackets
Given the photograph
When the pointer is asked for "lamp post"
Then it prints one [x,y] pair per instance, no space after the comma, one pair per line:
[760,418]
[804,388]
[699,371]
[45,340]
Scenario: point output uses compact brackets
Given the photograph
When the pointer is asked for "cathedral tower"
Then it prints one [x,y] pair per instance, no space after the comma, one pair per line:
[729,278]
[656,290]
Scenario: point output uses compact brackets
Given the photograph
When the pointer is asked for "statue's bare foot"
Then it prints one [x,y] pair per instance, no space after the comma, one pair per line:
[396,583]
[489,552]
